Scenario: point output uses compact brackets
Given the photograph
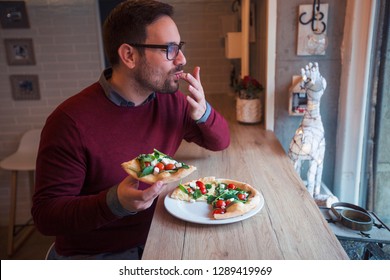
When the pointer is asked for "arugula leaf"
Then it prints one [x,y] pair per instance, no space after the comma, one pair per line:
[225,194]
[197,193]
[146,157]
[147,171]
[210,199]
[229,195]
[143,158]
[157,154]
[182,188]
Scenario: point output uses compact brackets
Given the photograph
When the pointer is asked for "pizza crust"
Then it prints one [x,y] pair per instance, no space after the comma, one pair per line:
[132,168]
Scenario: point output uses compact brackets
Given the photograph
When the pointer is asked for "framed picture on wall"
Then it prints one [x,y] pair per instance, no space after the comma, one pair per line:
[25,87]
[13,14]
[19,51]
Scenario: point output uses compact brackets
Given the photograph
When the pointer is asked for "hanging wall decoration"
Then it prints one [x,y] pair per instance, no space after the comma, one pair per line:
[25,87]
[19,51]
[312,29]
[13,14]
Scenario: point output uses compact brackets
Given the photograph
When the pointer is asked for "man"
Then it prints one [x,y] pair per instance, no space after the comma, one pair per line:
[83,196]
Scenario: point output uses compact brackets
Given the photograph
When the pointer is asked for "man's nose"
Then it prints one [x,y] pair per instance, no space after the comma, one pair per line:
[180,59]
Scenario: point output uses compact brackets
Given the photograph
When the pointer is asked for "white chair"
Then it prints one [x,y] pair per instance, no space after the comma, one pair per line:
[22,160]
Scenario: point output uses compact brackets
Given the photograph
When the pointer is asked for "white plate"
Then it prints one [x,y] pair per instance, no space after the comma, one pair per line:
[200,212]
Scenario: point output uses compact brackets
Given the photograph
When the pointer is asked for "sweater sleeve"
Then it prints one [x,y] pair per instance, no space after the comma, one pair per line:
[58,204]
[213,134]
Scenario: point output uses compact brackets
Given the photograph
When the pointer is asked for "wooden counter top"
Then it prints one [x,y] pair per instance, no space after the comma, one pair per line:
[289,226]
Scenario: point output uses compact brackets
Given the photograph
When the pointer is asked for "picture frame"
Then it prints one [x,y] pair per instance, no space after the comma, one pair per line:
[25,87]
[13,14]
[19,51]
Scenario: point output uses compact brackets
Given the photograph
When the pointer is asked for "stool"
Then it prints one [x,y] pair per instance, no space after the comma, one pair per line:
[22,160]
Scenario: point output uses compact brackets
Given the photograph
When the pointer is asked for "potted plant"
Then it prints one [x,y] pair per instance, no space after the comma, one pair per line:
[248,103]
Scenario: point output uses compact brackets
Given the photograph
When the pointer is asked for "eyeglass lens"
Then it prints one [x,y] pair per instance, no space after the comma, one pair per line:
[173,50]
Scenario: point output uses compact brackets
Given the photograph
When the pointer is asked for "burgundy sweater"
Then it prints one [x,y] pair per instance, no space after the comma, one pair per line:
[83,144]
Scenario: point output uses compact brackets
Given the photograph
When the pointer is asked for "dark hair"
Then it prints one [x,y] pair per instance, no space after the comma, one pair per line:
[127,23]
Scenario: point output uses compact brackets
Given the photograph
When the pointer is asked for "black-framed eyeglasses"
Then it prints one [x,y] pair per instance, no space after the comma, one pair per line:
[171,49]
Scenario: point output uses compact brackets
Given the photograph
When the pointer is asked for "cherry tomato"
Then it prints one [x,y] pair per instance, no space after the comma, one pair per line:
[160,166]
[201,187]
[228,202]
[232,186]
[219,211]
[170,166]
[147,163]
[220,204]
[241,196]
[190,190]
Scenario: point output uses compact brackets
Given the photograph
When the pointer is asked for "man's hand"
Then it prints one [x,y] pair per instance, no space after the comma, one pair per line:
[133,199]
[196,99]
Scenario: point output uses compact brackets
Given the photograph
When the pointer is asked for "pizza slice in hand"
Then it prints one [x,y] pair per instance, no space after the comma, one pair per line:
[157,166]
[227,198]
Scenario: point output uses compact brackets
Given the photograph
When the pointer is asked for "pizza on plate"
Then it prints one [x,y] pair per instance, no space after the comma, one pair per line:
[157,166]
[227,198]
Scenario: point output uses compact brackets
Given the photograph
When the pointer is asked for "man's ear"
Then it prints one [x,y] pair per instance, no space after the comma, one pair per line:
[127,55]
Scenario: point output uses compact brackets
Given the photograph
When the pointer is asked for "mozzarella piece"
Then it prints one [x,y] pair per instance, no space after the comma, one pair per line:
[167,161]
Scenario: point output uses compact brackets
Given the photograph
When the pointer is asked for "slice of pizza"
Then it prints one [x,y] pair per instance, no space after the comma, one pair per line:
[227,198]
[157,166]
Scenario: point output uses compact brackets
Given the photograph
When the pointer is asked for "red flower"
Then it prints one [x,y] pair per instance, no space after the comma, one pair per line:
[248,88]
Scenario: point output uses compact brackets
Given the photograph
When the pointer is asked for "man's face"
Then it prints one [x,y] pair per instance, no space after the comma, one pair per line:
[154,71]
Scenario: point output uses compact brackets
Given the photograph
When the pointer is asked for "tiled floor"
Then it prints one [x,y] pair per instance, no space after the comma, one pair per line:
[34,248]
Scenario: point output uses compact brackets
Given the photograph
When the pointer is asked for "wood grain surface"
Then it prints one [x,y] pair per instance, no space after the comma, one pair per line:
[289,226]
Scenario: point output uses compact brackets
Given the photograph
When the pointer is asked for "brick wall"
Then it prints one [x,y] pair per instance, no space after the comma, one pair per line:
[200,27]
[68,58]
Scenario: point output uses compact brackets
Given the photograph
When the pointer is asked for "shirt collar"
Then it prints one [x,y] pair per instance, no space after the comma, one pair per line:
[114,96]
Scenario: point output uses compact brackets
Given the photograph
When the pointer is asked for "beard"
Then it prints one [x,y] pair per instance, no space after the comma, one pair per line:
[153,80]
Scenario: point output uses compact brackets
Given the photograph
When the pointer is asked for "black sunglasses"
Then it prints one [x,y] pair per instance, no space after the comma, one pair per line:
[172,49]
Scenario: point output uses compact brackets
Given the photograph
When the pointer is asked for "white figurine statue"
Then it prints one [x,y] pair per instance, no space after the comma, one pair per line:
[308,142]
